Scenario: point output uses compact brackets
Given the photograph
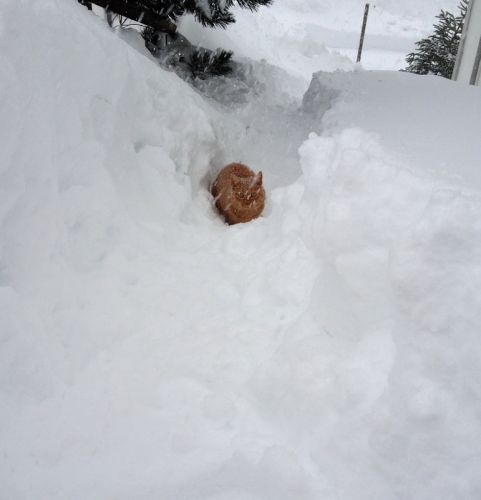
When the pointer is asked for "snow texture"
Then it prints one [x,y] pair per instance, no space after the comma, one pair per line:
[328,350]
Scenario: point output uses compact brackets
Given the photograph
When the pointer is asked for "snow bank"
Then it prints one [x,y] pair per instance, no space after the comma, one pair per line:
[430,123]
[77,139]
[328,350]
[380,372]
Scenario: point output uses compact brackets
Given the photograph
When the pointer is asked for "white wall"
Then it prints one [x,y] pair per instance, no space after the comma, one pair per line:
[468,49]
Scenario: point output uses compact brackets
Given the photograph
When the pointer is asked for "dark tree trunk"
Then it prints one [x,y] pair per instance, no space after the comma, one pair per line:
[110,17]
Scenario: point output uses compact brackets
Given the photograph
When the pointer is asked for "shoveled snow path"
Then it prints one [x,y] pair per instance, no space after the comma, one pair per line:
[327,350]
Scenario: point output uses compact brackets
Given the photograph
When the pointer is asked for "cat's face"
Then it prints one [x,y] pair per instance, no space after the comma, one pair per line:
[247,189]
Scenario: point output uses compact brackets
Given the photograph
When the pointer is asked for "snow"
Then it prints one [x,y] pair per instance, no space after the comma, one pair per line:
[330,349]
[323,35]
[364,100]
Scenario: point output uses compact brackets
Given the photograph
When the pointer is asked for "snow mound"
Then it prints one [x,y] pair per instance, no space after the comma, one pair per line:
[379,373]
[430,123]
[328,350]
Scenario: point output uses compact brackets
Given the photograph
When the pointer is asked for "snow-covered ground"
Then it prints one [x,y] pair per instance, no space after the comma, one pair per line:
[304,36]
[329,350]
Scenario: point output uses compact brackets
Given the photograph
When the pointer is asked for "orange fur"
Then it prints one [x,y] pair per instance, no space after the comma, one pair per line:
[238,192]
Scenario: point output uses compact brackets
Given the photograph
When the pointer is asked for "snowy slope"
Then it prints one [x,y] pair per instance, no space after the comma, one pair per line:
[329,350]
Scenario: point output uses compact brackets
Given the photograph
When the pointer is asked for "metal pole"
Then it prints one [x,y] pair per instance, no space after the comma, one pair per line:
[462,43]
[477,63]
[363,33]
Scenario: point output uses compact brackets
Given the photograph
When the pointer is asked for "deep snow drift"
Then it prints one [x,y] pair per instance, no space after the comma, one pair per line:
[329,350]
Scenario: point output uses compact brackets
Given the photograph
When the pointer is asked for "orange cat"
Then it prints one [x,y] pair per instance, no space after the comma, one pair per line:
[238,192]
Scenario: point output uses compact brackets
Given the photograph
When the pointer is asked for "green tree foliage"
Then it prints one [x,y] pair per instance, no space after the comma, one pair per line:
[163,40]
[436,54]
[176,52]
[213,13]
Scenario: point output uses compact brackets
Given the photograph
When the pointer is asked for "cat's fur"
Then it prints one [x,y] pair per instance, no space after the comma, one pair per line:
[238,193]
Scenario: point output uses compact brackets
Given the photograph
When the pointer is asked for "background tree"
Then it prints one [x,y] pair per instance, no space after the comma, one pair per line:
[436,54]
